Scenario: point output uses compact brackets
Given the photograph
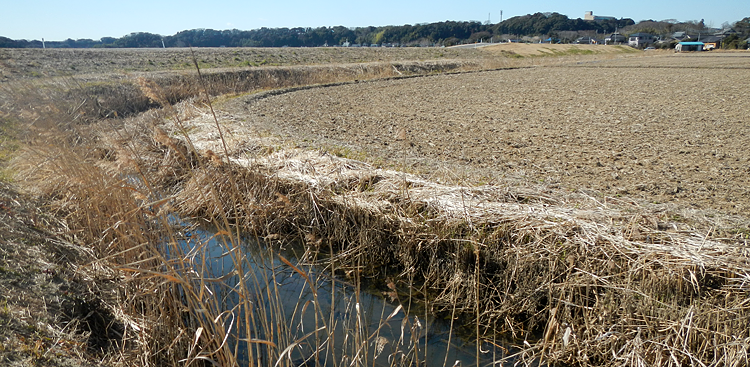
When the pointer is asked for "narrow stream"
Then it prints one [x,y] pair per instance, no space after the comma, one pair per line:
[350,325]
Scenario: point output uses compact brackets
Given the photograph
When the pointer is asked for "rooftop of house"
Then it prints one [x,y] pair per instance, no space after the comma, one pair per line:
[710,38]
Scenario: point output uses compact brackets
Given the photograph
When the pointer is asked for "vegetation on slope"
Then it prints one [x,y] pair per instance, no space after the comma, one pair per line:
[448,33]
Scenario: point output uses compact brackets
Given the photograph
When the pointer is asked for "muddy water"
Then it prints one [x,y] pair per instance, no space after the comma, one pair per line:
[288,311]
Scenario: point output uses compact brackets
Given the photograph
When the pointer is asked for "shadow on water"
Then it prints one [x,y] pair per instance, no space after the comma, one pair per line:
[316,319]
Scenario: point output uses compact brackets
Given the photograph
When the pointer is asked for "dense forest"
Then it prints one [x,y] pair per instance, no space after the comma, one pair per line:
[531,27]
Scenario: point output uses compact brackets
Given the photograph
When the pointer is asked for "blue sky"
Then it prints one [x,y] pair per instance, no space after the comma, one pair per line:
[57,20]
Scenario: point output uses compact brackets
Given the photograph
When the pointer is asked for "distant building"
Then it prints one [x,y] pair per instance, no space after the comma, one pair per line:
[680,36]
[711,42]
[589,15]
[615,39]
[688,46]
[640,40]
[586,41]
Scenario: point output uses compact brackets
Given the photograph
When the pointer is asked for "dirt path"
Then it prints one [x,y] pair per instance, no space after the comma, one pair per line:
[664,129]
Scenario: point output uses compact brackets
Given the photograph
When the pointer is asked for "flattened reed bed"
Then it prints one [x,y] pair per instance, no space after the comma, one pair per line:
[589,286]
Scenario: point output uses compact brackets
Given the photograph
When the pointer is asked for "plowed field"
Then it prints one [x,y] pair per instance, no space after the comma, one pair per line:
[672,128]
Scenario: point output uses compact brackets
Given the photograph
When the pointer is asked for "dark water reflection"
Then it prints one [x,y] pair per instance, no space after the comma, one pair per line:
[288,312]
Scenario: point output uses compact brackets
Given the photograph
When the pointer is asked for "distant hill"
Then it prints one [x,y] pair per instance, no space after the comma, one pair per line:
[553,27]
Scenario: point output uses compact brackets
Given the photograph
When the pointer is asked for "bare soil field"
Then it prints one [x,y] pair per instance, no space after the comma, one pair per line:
[662,129]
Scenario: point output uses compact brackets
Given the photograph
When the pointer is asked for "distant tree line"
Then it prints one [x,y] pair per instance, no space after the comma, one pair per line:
[449,33]
[741,37]
[550,23]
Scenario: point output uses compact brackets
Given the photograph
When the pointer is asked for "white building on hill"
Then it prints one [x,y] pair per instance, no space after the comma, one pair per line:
[589,15]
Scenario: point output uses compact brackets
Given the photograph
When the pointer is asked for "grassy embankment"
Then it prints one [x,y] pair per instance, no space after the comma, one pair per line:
[589,287]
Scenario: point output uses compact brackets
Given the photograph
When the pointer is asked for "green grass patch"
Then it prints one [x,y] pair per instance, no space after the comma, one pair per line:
[511,54]
[346,152]
[4,270]
[626,49]
[578,51]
